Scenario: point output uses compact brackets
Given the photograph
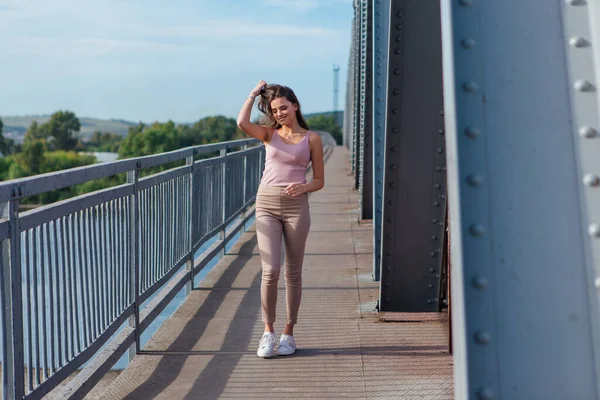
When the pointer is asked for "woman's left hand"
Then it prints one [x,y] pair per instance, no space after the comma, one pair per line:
[295,189]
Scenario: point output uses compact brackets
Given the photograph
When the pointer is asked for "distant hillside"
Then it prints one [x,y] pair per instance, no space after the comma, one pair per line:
[339,116]
[15,127]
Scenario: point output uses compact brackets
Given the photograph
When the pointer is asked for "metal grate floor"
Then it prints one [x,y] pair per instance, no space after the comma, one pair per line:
[207,349]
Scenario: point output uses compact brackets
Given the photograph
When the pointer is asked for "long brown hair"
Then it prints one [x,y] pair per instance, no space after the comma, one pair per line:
[270,93]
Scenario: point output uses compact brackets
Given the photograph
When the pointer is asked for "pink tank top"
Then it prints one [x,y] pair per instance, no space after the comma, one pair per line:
[286,163]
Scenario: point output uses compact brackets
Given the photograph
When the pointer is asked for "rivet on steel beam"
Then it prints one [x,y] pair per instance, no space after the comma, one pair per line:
[395,111]
[389,284]
[441,131]
[438,169]
[390,219]
[476,230]
[434,238]
[436,203]
[388,269]
[438,186]
[431,270]
[399,14]
[396,91]
[485,394]
[393,149]
[432,254]
[435,221]
[591,180]
[441,112]
[577,41]
[398,51]
[479,282]
[472,132]
[470,87]
[594,230]
[474,180]
[482,337]
[398,38]
[468,43]
[430,285]
[587,132]
[399,27]
[440,150]
[389,253]
[388,236]
[388,299]
[583,86]
[393,167]
[392,184]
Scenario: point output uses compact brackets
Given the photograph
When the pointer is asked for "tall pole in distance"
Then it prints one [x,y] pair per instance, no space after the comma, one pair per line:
[336,90]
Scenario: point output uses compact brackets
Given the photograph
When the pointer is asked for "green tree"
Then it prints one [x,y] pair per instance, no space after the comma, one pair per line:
[5,164]
[211,130]
[31,157]
[326,123]
[157,138]
[62,128]
[3,145]
[35,132]
[104,141]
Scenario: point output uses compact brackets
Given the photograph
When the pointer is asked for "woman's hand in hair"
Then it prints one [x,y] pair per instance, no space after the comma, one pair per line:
[259,87]
[257,131]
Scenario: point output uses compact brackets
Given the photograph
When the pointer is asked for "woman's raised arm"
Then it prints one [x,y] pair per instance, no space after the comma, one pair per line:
[259,132]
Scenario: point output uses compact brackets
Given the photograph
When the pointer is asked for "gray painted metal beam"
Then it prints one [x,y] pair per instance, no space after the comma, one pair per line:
[381,20]
[356,144]
[414,176]
[365,174]
[522,115]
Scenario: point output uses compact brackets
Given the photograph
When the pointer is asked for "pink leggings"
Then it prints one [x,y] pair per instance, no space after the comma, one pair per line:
[277,215]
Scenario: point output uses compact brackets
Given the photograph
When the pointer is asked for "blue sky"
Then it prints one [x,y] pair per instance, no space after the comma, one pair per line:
[151,60]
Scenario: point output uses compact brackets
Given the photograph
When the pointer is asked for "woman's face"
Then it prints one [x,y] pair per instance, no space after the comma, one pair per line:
[284,111]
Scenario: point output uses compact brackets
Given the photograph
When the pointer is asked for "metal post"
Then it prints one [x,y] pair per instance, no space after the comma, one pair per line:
[134,260]
[381,23]
[414,173]
[223,155]
[245,171]
[356,149]
[366,117]
[13,365]
[193,213]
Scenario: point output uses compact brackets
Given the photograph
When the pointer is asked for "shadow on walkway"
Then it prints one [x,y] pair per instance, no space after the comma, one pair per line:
[239,333]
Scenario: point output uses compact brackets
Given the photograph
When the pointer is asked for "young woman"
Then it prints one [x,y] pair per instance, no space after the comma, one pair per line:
[282,202]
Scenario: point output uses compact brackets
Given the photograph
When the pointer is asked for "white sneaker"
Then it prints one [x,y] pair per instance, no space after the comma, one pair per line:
[287,345]
[266,345]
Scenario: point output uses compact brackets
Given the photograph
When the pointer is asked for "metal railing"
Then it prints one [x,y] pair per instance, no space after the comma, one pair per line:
[75,273]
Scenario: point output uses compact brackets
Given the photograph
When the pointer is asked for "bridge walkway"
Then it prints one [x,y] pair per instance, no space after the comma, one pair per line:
[207,349]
